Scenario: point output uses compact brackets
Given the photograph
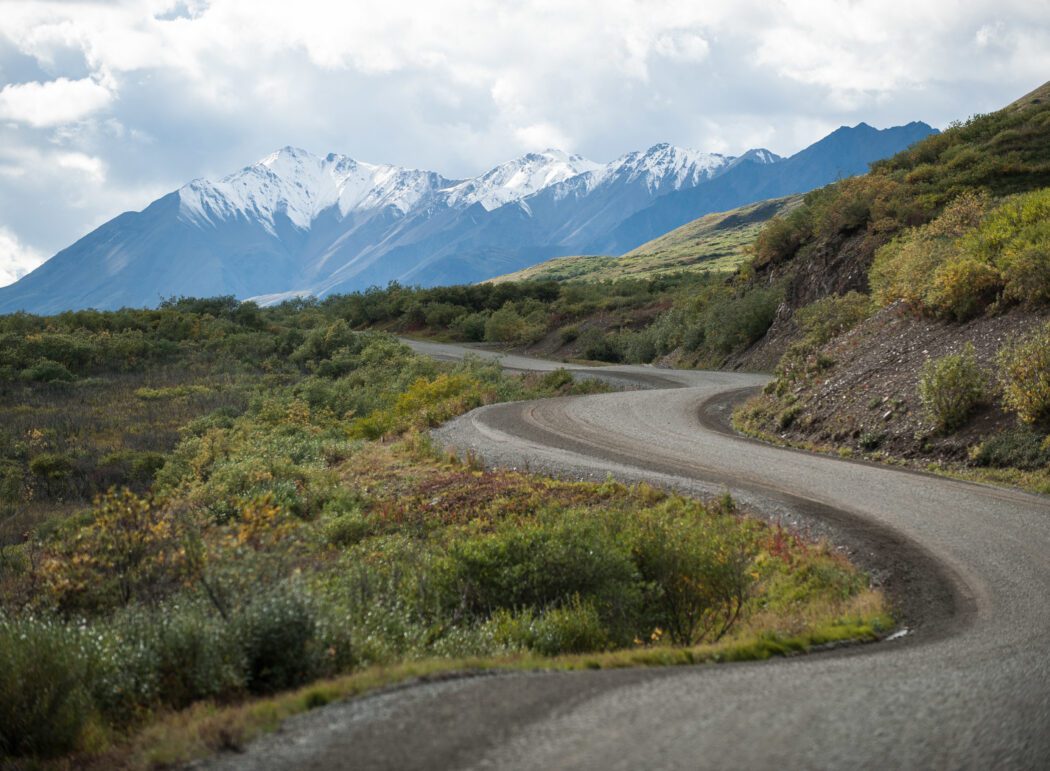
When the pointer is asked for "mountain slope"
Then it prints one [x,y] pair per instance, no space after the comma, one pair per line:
[843,153]
[295,223]
[717,242]
[906,296]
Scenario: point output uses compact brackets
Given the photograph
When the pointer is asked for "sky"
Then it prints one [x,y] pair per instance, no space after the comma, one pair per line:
[107,105]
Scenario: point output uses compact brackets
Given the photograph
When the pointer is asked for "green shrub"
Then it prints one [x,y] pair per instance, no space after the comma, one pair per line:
[1020,448]
[962,288]
[697,569]
[278,636]
[45,703]
[190,654]
[904,269]
[11,481]
[471,327]
[507,326]
[597,345]
[732,323]
[575,627]
[781,238]
[951,387]
[54,473]
[48,371]
[541,565]
[831,316]
[131,466]
[442,315]
[1015,237]
[349,527]
[1024,374]
[568,334]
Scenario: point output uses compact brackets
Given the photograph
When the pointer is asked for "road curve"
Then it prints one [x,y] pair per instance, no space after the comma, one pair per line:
[967,687]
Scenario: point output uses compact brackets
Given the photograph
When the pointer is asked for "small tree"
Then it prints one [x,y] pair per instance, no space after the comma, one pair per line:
[132,549]
[951,387]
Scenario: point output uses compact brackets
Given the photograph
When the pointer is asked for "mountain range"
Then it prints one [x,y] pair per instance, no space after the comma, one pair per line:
[295,223]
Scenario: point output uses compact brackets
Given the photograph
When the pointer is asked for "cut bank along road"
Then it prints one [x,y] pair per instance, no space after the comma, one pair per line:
[969,565]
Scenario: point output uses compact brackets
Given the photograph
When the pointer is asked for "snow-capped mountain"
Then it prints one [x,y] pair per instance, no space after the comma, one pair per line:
[296,223]
[301,186]
[514,180]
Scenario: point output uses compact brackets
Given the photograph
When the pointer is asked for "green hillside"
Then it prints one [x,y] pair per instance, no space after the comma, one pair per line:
[718,243]
[916,323]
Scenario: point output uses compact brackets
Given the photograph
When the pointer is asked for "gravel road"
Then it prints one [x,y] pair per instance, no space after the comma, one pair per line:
[968,685]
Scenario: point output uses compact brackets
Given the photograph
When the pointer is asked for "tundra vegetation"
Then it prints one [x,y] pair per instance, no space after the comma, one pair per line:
[210,505]
[953,233]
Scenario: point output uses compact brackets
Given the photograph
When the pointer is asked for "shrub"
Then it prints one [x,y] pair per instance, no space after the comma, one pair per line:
[131,549]
[190,654]
[277,633]
[1015,237]
[542,565]
[1020,448]
[48,371]
[697,567]
[732,323]
[55,474]
[442,315]
[568,334]
[471,327]
[425,404]
[962,288]
[44,699]
[781,237]
[829,317]
[506,326]
[597,345]
[575,627]
[349,527]
[904,269]
[55,467]
[1024,374]
[951,387]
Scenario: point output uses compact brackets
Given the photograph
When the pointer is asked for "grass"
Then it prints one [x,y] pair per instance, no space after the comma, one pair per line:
[715,243]
[207,728]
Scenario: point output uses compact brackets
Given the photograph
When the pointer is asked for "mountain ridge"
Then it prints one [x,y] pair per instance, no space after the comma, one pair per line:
[297,223]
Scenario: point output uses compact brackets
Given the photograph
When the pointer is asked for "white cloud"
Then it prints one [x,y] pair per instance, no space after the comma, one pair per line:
[86,164]
[109,102]
[54,102]
[16,259]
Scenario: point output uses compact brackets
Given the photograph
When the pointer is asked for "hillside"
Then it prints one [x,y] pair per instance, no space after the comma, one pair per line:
[914,323]
[718,243]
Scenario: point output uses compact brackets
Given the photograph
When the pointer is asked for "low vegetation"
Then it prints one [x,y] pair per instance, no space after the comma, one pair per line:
[217,504]
[699,319]
[951,388]
[951,238]
[715,243]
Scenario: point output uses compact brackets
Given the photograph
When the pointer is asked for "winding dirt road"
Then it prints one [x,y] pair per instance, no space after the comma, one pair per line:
[968,686]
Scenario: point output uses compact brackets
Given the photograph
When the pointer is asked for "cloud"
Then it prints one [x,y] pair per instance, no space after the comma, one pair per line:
[110,103]
[16,259]
[86,164]
[54,102]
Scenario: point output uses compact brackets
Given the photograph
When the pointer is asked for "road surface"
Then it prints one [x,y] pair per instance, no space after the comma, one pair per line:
[968,686]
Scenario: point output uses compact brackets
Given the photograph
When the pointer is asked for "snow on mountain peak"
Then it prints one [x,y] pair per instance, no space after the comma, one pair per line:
[301,185]
[518,178]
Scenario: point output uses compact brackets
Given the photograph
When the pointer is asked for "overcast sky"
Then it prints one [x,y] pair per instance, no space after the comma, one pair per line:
[105,106]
